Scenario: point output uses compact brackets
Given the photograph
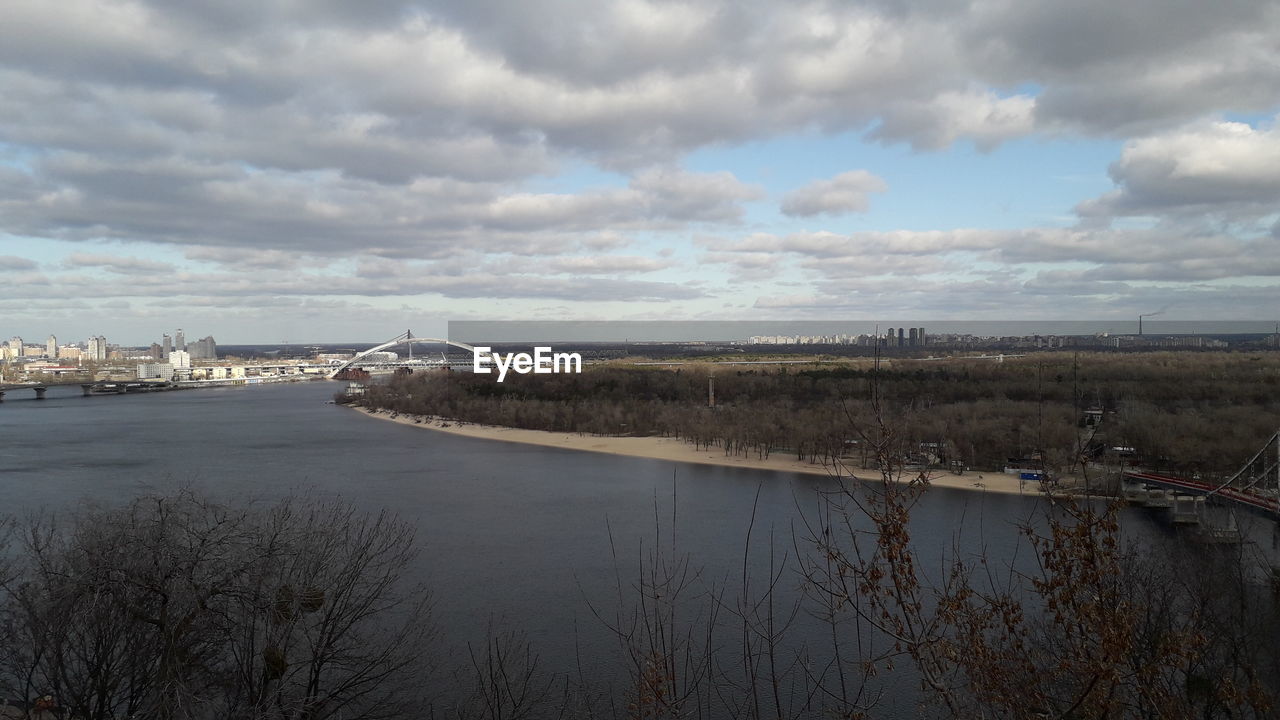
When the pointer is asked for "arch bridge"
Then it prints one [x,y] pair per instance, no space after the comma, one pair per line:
[405,338]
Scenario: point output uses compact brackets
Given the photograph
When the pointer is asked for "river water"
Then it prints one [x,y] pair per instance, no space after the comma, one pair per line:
[513,536]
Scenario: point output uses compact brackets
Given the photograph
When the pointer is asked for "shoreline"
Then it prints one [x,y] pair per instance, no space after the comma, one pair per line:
[671,449]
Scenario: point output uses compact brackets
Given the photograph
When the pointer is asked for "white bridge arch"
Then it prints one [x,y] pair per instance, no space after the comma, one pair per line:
[406,338]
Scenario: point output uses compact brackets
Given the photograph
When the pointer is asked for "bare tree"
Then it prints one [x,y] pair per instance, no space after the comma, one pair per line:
[1094,630]
[176,607]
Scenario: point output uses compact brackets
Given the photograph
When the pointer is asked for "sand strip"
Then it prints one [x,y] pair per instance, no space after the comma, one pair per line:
[679,451]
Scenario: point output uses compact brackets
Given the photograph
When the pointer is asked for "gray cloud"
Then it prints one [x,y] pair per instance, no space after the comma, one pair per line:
[491,91]
[408,139]
[1040,298]
[13,262]
[427,279]
[1115,254]
[170,201]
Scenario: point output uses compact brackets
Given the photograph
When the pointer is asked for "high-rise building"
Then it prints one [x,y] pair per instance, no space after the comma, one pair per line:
[51,347]
[97,348]
[920,337]
[901,337]
[204,349]
[16,348]
[180,359]
[179,340]
[154,352]
[913,339]
[166,346]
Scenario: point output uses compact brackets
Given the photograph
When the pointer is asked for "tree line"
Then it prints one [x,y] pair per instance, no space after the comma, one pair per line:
[1184,412]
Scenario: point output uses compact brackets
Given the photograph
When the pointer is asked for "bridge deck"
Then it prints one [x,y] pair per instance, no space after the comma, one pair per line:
[1198,487]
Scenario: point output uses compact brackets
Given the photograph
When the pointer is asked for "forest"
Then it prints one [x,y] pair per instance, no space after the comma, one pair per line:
[1200,414]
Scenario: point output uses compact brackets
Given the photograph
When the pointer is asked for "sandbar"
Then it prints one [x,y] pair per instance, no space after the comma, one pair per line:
[659,448]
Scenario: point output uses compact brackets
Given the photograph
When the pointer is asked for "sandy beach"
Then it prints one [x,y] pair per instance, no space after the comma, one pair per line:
[679,451]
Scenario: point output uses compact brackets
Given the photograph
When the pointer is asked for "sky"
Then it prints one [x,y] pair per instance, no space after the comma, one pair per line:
[327,170]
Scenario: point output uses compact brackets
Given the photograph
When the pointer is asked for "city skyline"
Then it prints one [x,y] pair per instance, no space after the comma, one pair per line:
[326,172]
[680,331]
[203,348]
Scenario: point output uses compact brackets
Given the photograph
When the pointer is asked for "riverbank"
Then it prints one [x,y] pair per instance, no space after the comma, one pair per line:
[657,448]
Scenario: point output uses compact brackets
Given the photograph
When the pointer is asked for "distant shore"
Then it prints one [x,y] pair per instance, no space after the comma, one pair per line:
[657,448]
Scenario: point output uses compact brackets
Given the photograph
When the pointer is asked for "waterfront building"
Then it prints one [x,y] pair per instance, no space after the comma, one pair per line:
[180,359]
[48,367]
[151,371]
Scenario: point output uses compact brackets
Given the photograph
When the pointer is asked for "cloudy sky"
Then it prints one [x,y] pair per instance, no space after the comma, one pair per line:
[327,170]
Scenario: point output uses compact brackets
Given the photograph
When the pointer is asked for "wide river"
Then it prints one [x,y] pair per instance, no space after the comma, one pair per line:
[513,536]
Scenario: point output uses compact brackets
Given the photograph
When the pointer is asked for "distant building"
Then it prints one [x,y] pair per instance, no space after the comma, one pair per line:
[166,345]
[152,371]
[48,367]
[156,352]
[180,359]
[204,349]
[16,348]
[920,336]
[179,340]
[51,347]
[912,338]
[901,337]
[70,352]
[97,349]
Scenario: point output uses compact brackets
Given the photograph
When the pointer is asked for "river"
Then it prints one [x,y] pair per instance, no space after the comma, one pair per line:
[513,535]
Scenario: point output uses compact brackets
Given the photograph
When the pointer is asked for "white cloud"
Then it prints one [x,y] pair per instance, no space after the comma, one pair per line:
[844,193]
[120,265]
[1211,167]
[608,265]
[978,115]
